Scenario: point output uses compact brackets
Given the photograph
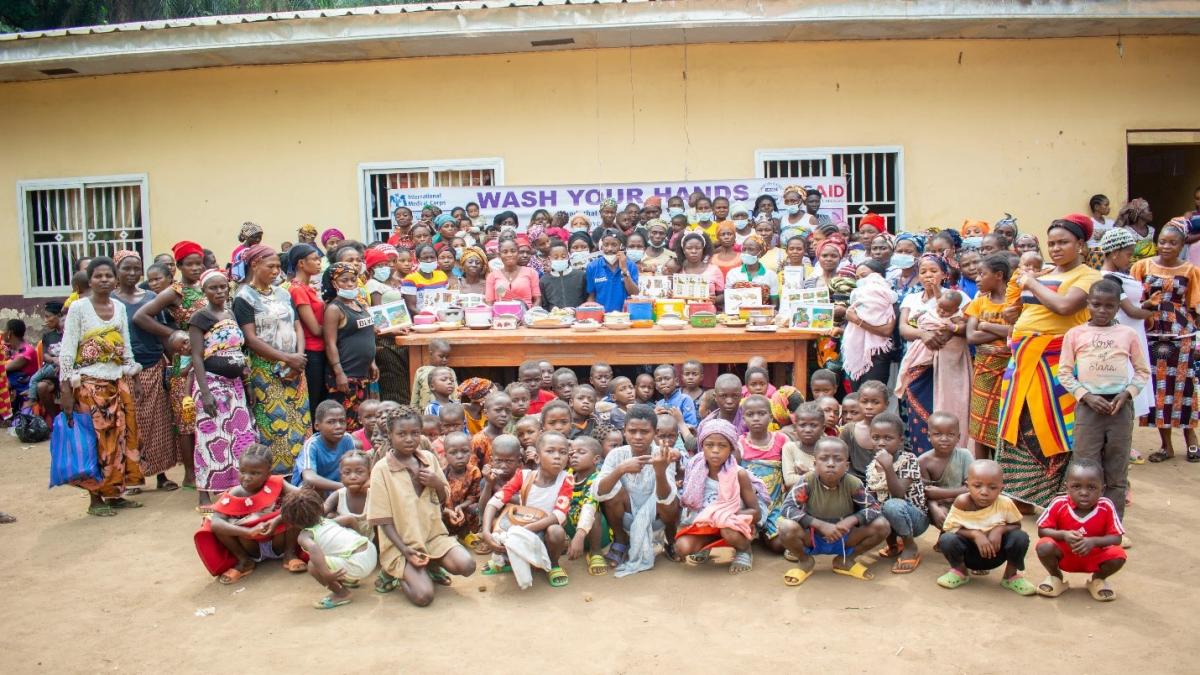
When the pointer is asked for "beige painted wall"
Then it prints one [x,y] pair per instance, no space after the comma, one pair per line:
[1030,127]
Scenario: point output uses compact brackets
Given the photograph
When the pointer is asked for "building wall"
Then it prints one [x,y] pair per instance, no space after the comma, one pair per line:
[1032,127]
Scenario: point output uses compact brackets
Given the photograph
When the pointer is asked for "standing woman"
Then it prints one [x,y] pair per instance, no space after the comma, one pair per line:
[305,262]
[1172,340]
[158,451]
[903,270]
[693,252]
[224,427]
[181,300]
[391,360]
[795,220]
[725,255]
[349,341]
[1136,217]
[275,339]
[512,281]
[752,273]
[1034,440]
[94,360]
[474,271]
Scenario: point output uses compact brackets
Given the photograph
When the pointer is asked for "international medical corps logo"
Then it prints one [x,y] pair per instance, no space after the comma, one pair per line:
[772,189]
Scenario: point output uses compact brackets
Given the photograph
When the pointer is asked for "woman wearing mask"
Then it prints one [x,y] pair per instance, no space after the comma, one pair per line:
[794,219]
[580,250]
[305,260]
[659,260]
[349,341]
[418,288]
[752,273]
[579,223]
[705,219]
[903,270]
[635,249]
[739,213]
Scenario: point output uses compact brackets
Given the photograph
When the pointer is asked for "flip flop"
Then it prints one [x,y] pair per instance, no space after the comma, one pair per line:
[328,602]
[888,552]
[1159,456]
[906,566]
[439,575]
[597,567]
[295,566]
[617,554]
[386,583]
[1019,585]
[101,510]
[491,569]
[1097,586]
[122,503]
[953,579]
[234,575]
[558,578]
[1052,587]
[699,557]
[857,571]
[743,561]
[796,576]
[168,486]
[1136,457]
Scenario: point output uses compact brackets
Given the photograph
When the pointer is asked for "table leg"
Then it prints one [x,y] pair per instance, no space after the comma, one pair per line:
[800,366]
[416,359]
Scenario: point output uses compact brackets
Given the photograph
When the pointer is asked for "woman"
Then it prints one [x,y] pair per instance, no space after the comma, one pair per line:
[882,247]
[579,223]
[305,261]
[251,234]
[349,334]
[903,271]
[922,385]
[726,254]
[795,219]
[94,360]
[383,286]
[753,273]
[867,345]
[474,271]
[635,249]
[224,428]
[331,239]
[183,299]
[1175,283]
[1027,243]
[420,287]
[795,266]
[1006,227]
[512,281]
[773,254]
[830,273]
[581,249]
[391,359]
[1136,217]
[307,234]
[693,253]
[275,340]
[1034,435]
[158,451]
[447,263]
[829,253]
[766,205]
[1099,208]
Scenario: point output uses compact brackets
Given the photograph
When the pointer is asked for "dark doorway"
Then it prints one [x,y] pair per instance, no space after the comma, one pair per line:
[1167,176]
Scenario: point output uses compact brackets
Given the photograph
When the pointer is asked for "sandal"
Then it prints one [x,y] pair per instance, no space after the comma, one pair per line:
[168,486]
[1019,585]
[492,569]
[234,575]
[558,578]
[1052,587]
[329,602]
[699,557]
[796,576]
[953,579]
[295,566]
[122,503]
[1193,454]
[1136,457]
[1098,587]
[617,554]
[857,570]
[476,543]
[6,518]
[439,575]
[669,551]
[386,583]
[596,565]
[131,491]
[888,552]
[743,561]
[102,510]
[906,566]
[1160,455]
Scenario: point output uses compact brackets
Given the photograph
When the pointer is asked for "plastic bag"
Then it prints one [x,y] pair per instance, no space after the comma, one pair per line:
[73,450]
[31,428]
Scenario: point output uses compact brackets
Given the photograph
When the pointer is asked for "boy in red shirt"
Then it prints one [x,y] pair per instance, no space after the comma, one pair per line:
[1081,532]
[530,374]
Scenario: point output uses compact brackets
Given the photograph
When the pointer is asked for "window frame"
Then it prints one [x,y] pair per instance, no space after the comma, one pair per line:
[764,155]
[367,169]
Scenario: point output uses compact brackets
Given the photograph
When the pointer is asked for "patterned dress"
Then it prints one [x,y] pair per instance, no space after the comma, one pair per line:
[1172,342]
[222,437]
[990,361]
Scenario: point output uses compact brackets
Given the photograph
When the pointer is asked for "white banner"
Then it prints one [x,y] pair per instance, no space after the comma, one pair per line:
[525,199]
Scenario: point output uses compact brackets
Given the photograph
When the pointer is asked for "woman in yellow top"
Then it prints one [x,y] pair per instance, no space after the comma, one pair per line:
[1036,413]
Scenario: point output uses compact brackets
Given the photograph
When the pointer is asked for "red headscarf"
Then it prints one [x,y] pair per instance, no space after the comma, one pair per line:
[185,248]
[874,220]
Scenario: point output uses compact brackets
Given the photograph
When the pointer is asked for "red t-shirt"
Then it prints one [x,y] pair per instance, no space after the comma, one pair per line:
[304,294]
[538,402]
[1102,521]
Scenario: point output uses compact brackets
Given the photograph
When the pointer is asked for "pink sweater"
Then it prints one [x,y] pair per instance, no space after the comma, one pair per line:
[1102,360]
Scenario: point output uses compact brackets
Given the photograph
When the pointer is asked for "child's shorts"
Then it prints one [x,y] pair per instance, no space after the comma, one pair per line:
[1086,564]
[266,551]
[357,565]
[822,547]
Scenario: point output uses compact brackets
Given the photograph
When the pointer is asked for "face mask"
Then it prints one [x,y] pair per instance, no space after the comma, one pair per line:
[427,267]
[704,216]
[458,253]
[635,254]
[902,261]
[740,223]
[347,293]
[792,209]
[610,258]
[675,211]
[972,242]
[382,274]
[496,264]
[469,240]
[508,228]
[749,258]
[560,265]
[580,258]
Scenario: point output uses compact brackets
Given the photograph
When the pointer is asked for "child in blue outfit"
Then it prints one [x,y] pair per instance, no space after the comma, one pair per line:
[667,386]
[318,464]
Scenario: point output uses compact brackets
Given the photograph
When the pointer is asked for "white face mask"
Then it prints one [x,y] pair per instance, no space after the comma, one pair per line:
[675,211]
[635,254]
[560,265]
[427,267]
[793,209]
[610,258]
[580,258]
[740,223]
[704,216]
[382,274]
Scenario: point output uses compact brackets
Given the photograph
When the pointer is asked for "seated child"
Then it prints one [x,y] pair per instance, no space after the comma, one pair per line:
[851,410]
[431,429]
[784,403]
[873,399]
[585,533]
[833,415]
[760,451]
[944,468]
[636,489]
[405,498]
[600,376]
[532,535]
[368,416]
[521,399]
[757,382]
[671,396]
[719,499]
[759,363]
[530,374]
[441,388]
[673,435]
[615,438]
[527,431]
[557,417]
[245,522]
[44,383]
[622,397]
[823,382]
[895,480]
[497,409]
[348,504]
[506,461]
[691,375]
[471,394]
[727,395]
[830,512]
[583,407]
[20,363]
[798,455]
[464,478]
[1081,532]
[318,464]
[983,531]
[338,556]
[565,382]
[643,388]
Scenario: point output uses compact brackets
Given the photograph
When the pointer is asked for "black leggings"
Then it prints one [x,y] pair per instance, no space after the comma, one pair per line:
[964,554]
[314,374]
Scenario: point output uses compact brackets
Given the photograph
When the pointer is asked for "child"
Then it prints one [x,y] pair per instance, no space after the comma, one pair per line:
[318,464]
[338,557]
[673,435]
[1031,263]
[497,409]
[757,382]
[983,531]
[348,504]
[851,410]
[719,499]
[565,382]
[1104,366]
[988,333]
[20,363]
[530,374]
[368,415]
[672,397]
[692,374]
[623,396]
[245,521]
[760,451]
[798,455]
[895,480]
[547,370]
[521,399]
[405,498]
[583,406]
[506,460]
[636,489]
[615,438]
[944,468]
[562,285]
[452,418]
[556,417]
[761,363]
[431,429]
[833,415]
[727,397]
[439,357]
[44,383]
[830,512]
[533,534]
[441,388]
[471,394]
[600,377]
[951,364]
[643,388]
[823,382]
[461,510]
[1081,532]
[586,534]
[873,399]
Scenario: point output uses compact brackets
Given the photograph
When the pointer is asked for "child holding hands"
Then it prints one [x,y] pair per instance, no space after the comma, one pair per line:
[338,557]
[1081,532]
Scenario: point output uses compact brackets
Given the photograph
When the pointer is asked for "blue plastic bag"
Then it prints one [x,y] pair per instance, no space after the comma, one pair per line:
[73,450]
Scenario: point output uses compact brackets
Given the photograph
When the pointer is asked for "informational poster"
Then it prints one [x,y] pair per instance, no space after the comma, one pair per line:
[689,286]
[391,315]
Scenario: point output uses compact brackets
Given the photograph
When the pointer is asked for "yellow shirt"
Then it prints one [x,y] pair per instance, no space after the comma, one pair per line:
[983,309]
[1037,318]
[1002,512]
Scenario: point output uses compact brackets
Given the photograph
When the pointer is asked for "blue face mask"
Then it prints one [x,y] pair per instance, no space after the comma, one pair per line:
[560,265]
[347,293]
[792,209]
[382,273]
[972,243]
[704,216]
[675,211]
[427,267]
[749,258]
[635,255]
[903,261]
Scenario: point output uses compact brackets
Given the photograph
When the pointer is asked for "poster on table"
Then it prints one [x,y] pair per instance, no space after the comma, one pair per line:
[523,200]
[654,286]
[689,286]
[391,315]
[812,317]
[737,298]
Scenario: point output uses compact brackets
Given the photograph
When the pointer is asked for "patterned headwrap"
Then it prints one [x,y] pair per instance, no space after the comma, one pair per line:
[534,232]
[1116,239]
[785,399]
[838,241]
[210,274]
[123,254]
[330,234]
[886,237]
[307,230]
[725,225]
[916,239]
[338,269]
[608,203]
[256,253]
[473,252]
[1021,237]
[755,238]
[1179,224]
[974,223]
[658,222]
[474,389]
[933,257]
[692,494]
[442,219]
[183,249]
[249,230]
[1136,208]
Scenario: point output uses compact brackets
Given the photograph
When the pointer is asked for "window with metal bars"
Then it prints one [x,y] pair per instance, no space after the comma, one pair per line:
[65,220]
[378,179]
[874,176]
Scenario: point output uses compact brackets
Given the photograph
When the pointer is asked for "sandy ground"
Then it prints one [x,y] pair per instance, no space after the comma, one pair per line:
[86,594]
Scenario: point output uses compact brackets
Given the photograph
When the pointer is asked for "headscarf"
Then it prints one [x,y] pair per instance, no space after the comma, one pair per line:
[1036,243]
[558,233]
[888,238]
[654,201]
[874,220]
[473,252]
[210,274]
[692,494]
[257,252]
[723,226]
[123,254]
[330,234]
[785,399]
[974,223]
[580,236]
[739,207]
[474,389]
[503,216]
[755,238]
[1077,224]
[933,257]
[442,219]
[297,253]
[1115,239]
[308,230]
[533,232]
[916,239]
[375,257]
[249,230]
[337,269]
[389,250]
[1179,224]
[1135,208]
[183,249]
[608,203]
[954,237]
[835,240]
[1008,219]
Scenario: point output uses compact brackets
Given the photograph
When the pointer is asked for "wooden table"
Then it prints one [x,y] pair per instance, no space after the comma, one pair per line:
[634,346]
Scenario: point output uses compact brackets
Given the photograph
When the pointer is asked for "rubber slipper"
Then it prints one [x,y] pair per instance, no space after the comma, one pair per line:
[953,579]
[205,509]
[597,567]
[699,557]
[295,566]
[439,575]
[491,569]
[168,486]
[386,583]
[1159,456]
[857,571]
[1097,586]
[743,561]
[617,554]
[328,602]
[131,491]
[906,566]
[888,552]
[122,503]
[1136,457]
[234,575]
[1019,585]
[796,576]
[558,578]
[103,511]
[1052,587]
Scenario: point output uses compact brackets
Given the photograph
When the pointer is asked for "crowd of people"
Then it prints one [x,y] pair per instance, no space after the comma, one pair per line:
[967,380]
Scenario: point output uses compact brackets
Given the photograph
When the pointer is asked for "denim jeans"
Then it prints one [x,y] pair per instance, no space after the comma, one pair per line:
[906,520]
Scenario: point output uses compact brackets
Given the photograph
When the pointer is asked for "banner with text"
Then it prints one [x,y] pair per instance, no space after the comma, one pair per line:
[525,199]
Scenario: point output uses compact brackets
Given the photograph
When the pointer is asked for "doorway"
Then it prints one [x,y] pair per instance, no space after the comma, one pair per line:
[1164,169]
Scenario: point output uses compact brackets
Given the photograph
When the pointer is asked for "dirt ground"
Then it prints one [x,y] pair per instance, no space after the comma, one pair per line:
[86,594]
